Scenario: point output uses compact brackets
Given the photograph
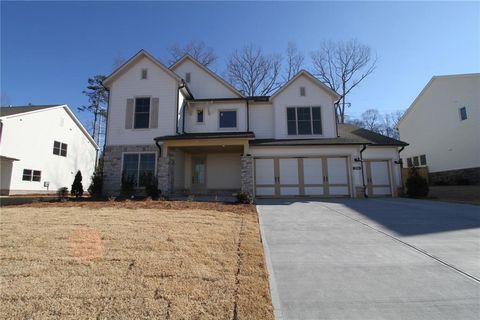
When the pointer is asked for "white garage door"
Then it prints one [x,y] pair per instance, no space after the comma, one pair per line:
[378,178]
[312,176]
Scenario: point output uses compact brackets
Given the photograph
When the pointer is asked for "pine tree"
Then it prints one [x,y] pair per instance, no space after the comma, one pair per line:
[77,187]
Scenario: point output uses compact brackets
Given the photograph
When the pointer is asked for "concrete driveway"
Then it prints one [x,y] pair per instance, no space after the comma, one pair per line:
[372,259]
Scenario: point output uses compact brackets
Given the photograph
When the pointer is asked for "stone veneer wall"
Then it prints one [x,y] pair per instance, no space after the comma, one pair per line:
[165,173]
[246,175]
[470,176]
[112,165]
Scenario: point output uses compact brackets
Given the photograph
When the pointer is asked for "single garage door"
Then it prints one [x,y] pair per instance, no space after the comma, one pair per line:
[378,178]
[313,176]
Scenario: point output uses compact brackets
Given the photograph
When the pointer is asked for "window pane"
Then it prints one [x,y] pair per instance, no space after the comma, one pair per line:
[228,119]
[147,168]
[304,127]
[200,116]
[409,162]
[56,147]
[291,114]
[142,113]
[316,113]
[423,160]
[317,127]
[316,120]
[27,175]
[36,175]
[130,166]
[64,150]
[303,114]
[415,161]
[292,127]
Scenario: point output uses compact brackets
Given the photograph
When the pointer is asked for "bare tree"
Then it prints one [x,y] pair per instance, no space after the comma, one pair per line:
[294,61]
[118,61]
[342,66]
[253,72]
[373,120]
[197,49]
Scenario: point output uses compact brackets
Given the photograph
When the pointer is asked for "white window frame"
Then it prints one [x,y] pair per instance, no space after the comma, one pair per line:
[236,119]
[136,186]
[134,112]
[311,121]
[31,175]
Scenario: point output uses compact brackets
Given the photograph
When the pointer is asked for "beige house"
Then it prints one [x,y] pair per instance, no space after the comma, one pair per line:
[197,134]
[442,127]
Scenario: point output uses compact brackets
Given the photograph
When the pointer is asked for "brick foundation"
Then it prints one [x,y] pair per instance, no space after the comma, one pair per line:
[470,176]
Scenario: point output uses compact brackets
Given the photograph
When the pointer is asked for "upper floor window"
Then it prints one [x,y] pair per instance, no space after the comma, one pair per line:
[187,77]
[409,162]
[59,148]
[304,120]
[302,91]
[463,113]
[144,74]
[423,160]
[200,116]
[142,113]
[228,119]
[31,175]
[139,168]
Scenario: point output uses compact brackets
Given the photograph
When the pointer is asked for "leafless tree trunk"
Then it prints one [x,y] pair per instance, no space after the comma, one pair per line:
[197,49]
[342,66]
[253,72]
[294,61]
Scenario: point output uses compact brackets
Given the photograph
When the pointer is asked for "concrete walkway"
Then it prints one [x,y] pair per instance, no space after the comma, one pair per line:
[372,259]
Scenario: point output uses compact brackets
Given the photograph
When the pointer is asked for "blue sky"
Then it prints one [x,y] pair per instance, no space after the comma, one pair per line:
[50,49]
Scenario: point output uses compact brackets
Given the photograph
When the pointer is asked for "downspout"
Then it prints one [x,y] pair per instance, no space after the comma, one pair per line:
[336,116]
[363,174]
[176,115]
[248,117]
[159,148]
[185,104]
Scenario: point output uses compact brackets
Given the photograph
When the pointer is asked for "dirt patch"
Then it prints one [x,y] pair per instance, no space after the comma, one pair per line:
[151,259]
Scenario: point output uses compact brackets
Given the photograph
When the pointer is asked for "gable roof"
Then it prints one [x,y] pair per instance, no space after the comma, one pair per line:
[207,70]
[428,86]
[11,110]
[16,110]
[130,62]
[348,134]
[312,78]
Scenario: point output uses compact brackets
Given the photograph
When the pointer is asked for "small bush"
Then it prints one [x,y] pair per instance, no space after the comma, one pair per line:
[417,186]
[62,193]
[244,197]
[128,185]
[151,187]
[96,187]
[77,187]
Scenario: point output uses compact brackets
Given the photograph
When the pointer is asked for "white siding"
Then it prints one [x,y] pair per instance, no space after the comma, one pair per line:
[211,118]
[30,138]
[261,120]
[202,84]
[315,96]
[433,127]
[129,85]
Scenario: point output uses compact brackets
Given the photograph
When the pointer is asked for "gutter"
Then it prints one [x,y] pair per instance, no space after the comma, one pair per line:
[363,174]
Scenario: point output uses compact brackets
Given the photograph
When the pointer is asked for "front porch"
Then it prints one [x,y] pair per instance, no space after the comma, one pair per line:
[205,165]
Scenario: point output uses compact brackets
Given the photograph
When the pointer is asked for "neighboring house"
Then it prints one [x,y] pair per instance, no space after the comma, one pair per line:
[442,127]
[42,148]
[199,135]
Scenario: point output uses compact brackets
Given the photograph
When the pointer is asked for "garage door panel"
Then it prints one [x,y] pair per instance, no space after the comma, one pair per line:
[289,191]
[314,191]
[265,191]
[337,171]
[264,171]
[385,191]
[313,171]
[338,191]
[288,171]
[379,173]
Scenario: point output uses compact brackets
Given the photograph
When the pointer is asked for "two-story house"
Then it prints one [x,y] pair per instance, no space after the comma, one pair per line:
[442,126]
[199,135]
[41,149]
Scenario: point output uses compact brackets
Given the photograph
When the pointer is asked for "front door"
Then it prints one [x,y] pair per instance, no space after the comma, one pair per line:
[199,174]
[378,178]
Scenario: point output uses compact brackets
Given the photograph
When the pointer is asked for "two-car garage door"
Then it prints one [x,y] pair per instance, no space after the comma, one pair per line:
[313,176]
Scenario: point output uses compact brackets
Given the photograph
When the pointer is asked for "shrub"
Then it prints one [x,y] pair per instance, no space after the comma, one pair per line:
[77,187]
[62,193]
[151,187]
[417,186]
[96,186]
[244,197]
[128,185]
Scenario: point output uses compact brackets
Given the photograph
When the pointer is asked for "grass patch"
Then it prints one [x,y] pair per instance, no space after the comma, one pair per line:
[171,260]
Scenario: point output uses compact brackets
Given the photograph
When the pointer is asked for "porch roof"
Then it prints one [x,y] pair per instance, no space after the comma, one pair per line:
[208,135]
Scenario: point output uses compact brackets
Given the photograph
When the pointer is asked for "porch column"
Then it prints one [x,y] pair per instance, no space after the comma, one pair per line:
[246,175]
[165,172]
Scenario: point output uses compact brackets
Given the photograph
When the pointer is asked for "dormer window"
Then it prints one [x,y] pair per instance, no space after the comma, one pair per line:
[187,77]
[144,74]
[302,91]
[304,120]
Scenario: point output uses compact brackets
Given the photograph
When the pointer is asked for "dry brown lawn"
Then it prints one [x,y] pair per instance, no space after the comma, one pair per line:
[132,260]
